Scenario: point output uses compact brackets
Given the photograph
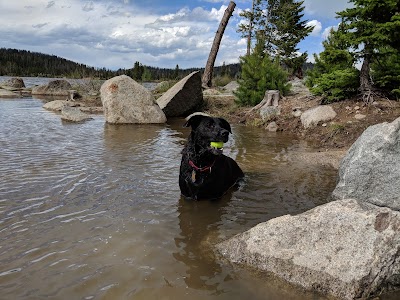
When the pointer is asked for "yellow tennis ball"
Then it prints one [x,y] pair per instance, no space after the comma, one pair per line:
[217,145]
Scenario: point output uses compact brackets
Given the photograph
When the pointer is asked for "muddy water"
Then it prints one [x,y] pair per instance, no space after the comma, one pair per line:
[93,211]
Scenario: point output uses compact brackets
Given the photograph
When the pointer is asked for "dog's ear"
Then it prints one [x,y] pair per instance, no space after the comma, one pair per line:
[225,124]
[194,121]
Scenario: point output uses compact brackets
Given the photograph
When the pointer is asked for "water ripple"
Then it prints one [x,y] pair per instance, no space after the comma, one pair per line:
[91,210]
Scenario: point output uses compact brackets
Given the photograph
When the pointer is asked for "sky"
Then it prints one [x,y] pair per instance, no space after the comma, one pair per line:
[160,33]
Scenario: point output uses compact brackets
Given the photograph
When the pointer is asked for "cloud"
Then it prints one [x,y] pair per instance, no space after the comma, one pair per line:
[88,6]
[39,25]
[50,4]
[116,33]
[326,33]
[317,27]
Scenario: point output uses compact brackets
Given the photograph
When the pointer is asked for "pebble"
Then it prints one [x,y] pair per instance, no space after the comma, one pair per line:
[273,127]
[359,116]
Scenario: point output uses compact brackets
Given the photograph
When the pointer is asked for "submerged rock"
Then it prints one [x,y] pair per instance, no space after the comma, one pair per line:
[57,105]
[58,87]
[73,114]
[339,248]
[127,102]
[8,94]
[183,98]
[371,169]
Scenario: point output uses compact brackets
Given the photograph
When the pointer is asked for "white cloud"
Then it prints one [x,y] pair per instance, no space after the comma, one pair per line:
[317,27]
[116,33]
[327,31]
[111,33]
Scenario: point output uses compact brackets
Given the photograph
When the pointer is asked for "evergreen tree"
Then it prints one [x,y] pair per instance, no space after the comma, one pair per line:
[334,75]
[369,26]
[176,72]
[260,73]
[146,76]
[254,22]
[287,29]
[385,71]
[137,71]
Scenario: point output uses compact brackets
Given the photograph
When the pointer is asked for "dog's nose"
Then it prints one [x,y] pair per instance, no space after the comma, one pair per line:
[224,133]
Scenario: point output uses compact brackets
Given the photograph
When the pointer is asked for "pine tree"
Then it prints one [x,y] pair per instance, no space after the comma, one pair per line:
[176,72]
[137,71]
[369,26]
[146,75]
[260,73]
[334,75]
[287,29]
[281,22]
[385,71]
[254,22]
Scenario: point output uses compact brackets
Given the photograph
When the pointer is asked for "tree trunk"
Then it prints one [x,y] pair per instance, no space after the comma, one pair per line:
[207,76]
[250,29]
[365,82]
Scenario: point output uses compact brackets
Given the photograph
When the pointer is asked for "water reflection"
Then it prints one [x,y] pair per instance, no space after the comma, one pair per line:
[199,222]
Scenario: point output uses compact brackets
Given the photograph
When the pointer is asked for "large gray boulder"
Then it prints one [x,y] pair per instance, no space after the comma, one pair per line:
[313,116]
[339,248]
[371,169]
[58,87]
[127,102]
[14,83]
[183,98]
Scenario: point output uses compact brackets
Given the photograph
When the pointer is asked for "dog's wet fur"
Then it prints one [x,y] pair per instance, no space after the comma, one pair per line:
[206,173]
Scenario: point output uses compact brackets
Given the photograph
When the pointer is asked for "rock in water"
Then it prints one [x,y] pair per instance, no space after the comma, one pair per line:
[183,98]
[127,102]
[73,114]
[370,171]
[58,87]
[340,248]
[14,82]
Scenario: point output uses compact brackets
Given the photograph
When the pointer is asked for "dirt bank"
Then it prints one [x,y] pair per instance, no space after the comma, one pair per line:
[353,117]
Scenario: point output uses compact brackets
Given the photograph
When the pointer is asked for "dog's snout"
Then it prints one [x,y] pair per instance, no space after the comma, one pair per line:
[224,133]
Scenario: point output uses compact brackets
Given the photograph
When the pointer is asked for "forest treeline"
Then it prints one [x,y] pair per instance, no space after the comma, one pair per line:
[15,62]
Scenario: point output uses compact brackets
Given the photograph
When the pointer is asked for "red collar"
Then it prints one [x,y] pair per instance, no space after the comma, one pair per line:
[191,163]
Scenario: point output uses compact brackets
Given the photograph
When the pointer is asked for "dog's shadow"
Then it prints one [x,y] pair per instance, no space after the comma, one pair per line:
[199,222]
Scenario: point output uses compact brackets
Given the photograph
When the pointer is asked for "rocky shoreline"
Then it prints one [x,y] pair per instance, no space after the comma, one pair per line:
[348,248]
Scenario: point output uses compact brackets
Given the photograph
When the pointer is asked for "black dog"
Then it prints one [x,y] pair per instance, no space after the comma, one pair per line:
[206,173]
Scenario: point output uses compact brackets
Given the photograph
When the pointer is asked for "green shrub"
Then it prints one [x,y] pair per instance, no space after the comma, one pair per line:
[337,85]
[260,74]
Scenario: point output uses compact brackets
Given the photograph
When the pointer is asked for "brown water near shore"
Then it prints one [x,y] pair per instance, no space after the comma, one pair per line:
[93,211]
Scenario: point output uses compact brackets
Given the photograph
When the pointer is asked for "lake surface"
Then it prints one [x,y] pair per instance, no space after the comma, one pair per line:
[93,211]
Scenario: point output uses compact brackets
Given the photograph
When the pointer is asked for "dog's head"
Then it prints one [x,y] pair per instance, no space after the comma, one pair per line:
[207,129]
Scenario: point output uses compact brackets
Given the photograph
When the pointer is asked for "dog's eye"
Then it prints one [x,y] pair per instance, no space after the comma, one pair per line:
[210,125]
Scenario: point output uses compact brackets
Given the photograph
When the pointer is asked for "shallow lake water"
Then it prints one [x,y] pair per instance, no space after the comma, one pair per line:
[93,211]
